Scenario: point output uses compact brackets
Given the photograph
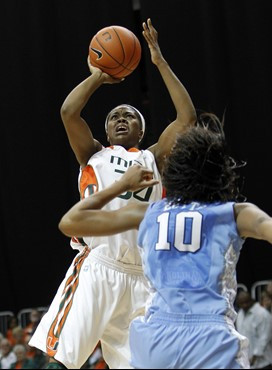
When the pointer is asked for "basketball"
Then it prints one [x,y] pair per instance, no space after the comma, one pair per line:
[116,51]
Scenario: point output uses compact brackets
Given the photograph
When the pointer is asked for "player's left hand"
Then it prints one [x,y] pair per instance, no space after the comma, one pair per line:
[151,36]
[138,177]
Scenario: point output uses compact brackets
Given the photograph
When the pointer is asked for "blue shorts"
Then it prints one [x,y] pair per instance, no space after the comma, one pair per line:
[166,341]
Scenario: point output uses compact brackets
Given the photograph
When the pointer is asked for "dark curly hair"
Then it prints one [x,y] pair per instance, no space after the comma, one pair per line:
[199,168]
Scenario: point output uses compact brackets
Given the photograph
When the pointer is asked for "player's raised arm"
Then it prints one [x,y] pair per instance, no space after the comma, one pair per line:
[78,131]
[87,219]
[186,114]
[252,222]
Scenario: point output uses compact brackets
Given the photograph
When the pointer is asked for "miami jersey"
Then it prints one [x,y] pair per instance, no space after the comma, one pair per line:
[103,169]
[189,256]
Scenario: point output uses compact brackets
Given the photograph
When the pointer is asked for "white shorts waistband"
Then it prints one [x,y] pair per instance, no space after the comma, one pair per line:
[116,265]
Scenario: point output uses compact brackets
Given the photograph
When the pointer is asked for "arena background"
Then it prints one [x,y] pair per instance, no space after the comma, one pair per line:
[221,51]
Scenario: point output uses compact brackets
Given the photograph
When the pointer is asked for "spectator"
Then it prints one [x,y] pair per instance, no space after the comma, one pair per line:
[22,361]
[269,293]
[18,335]
[7,356]
[39,358]
[12,324]
[35,318]
[266,301]
[255,322]
[269,288]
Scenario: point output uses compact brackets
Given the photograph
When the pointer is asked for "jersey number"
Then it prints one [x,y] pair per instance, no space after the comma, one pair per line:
[187,232]
[135,194]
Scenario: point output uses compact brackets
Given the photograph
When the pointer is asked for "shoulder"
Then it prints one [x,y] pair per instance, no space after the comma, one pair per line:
[240,207]
[156,207]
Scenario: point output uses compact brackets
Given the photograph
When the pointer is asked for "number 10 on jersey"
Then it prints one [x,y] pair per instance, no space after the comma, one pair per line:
[187,232]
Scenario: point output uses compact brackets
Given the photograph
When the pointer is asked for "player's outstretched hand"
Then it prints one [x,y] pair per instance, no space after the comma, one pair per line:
[151,36]
[138,177]
[107,79]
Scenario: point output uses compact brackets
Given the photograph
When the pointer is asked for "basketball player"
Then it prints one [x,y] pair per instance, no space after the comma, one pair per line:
[105,289]
[190,243]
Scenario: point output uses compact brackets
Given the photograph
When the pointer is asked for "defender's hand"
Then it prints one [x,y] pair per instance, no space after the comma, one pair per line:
[138,177]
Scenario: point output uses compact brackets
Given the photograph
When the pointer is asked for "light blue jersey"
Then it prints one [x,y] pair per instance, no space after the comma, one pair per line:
[189,256]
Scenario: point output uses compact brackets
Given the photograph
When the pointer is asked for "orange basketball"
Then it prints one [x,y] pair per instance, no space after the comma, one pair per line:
[116,51]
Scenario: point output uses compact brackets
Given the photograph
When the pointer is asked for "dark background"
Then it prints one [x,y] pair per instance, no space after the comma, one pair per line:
[221,51]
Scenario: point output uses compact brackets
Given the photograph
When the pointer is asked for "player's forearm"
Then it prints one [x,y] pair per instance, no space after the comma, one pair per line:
[79,96]
[101,198]
[97,200]
[84,217]
[87,218]
[181,99]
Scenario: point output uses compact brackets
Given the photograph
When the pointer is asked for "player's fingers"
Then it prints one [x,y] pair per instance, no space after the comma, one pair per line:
[150,183]
[152,30]
[150,25]
[146,30]
[147,36]
[146,171]
[144,34]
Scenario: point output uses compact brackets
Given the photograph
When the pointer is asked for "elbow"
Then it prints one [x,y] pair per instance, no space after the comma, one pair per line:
[65,227]
[66,110]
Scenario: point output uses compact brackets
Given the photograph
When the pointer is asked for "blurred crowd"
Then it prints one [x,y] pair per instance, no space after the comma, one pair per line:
[15,353]
[254,321]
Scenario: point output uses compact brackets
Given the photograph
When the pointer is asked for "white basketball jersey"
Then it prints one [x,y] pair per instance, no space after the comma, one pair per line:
[104,168]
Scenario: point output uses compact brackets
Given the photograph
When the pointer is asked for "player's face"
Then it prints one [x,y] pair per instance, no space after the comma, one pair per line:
[124,127]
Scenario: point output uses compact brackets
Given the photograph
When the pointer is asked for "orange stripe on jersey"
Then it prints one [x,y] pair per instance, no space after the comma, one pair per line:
[52,341]
[75,240]
[163,193]
[88,181]
[133,150]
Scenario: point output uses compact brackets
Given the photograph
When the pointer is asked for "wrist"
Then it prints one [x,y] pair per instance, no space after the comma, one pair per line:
[121,186]
[161,62]
[97,76]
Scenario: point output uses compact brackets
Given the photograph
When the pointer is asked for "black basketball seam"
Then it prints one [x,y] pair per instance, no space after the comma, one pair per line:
[137,62]
[102,65]
[120,64]
[108,54]
[124,54]
[133,50]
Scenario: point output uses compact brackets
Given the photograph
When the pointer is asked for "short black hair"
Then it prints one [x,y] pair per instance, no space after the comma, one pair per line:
[199,168]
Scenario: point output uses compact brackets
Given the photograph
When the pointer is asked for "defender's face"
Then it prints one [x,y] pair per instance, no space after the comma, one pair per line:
[124,127]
